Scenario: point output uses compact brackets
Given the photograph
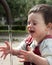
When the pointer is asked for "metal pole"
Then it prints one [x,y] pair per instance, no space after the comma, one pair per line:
[10,40]
[9,21]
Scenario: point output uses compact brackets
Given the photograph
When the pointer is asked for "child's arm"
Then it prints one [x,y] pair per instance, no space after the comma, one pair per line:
[29,56]
[7,50]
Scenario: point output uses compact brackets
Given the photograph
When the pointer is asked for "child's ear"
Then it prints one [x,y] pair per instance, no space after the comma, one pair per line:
[49,26]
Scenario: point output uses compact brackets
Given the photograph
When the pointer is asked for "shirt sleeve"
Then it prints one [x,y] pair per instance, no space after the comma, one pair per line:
[23,45]
[46,50]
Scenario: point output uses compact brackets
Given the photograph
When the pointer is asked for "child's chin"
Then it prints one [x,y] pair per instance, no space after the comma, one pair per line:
[32,35]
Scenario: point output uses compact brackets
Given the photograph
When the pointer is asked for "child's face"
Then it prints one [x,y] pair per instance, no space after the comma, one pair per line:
[36,25]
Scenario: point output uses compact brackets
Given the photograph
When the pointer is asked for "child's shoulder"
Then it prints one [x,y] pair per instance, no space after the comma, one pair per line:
[46,42]
[47,38]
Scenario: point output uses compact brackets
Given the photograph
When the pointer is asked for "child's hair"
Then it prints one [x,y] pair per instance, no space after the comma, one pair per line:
[45,10]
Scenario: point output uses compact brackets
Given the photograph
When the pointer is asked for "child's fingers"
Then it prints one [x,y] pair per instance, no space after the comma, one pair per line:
[5,56]
[22,52]
[22,60]
[20,56]
[2,55]
[1,50]
[7,44]
[2,47]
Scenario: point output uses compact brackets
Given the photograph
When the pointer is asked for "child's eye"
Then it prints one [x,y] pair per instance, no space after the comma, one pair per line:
[34,23]
[28,23]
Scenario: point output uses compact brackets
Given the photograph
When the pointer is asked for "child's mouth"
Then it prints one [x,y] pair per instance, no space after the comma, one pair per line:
[31,31]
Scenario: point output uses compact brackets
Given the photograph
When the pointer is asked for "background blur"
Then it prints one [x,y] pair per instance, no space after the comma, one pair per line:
[19,10]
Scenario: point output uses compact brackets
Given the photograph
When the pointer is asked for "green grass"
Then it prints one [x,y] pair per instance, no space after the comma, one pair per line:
[11,30]
[16,31]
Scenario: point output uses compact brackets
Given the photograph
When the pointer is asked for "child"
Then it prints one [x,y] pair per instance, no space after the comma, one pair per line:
[39,27]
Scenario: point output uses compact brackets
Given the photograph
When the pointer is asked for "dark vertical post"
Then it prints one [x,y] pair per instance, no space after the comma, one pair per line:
[7,10]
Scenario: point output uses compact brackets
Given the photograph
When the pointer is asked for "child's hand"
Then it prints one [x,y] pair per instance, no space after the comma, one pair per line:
[5,50]
[26,56]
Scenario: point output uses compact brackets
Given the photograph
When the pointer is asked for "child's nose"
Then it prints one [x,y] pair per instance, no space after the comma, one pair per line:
[30,26]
